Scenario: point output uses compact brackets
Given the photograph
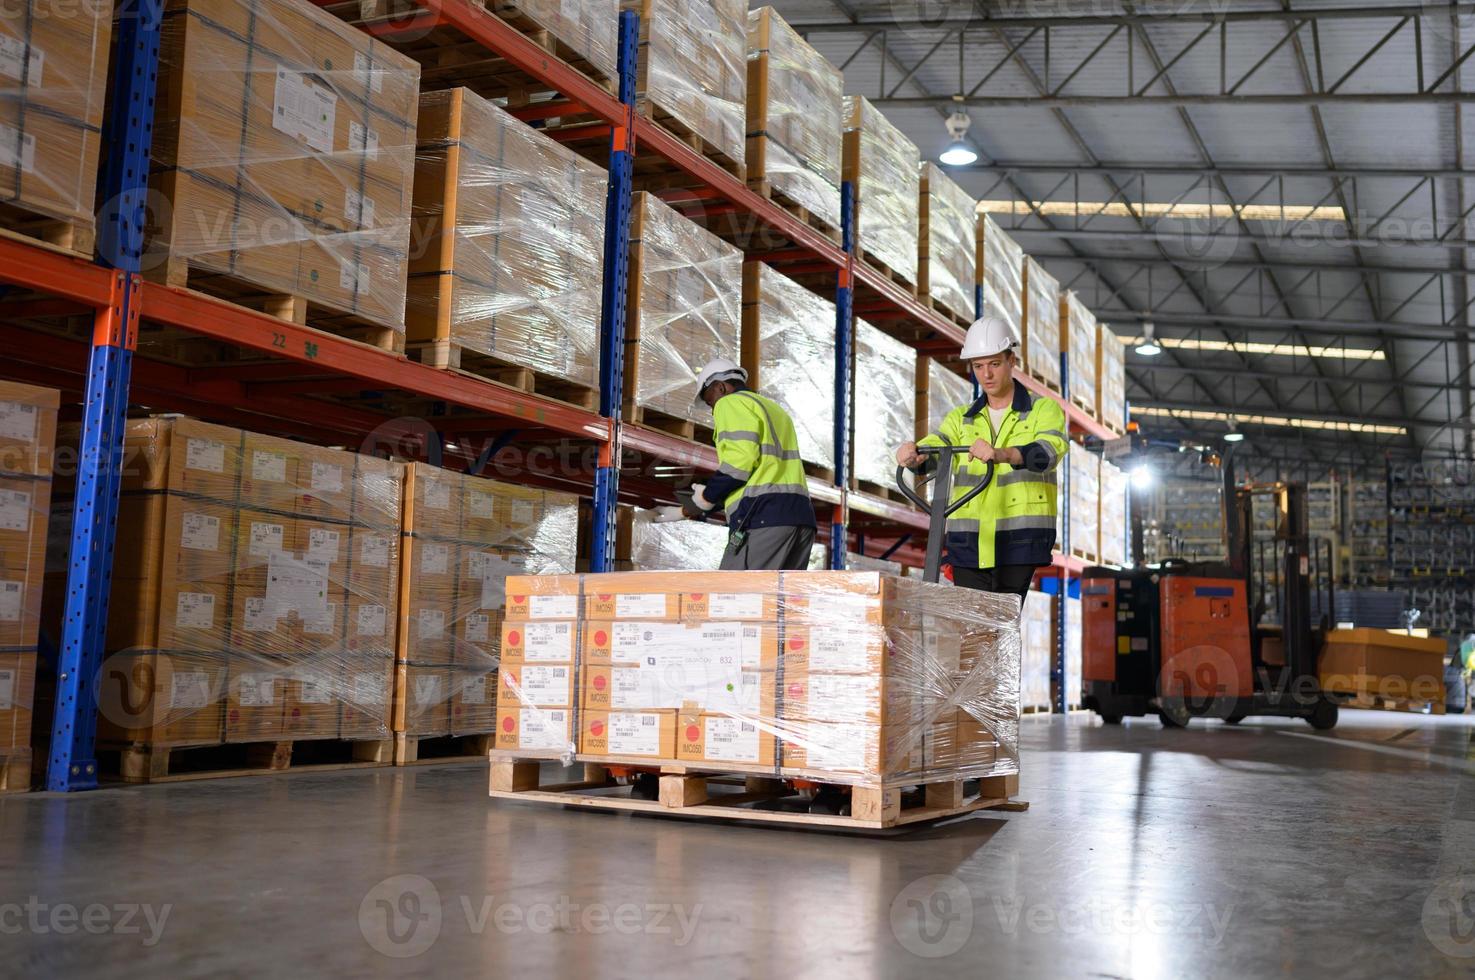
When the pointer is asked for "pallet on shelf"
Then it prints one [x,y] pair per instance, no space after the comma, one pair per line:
[881,490]
[881,165]
[805,213]
[1078,331]
[143,762]
[947,260]
[73,236]
[939,391]
[450,356]
[661,422]
[758,799]
[1039,327]
[1111,379]
[999,263]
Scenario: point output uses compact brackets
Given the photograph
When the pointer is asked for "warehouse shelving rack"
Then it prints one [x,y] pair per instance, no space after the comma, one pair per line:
[117,298]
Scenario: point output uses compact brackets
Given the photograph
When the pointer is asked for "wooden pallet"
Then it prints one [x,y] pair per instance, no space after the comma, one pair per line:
[15,771]
[818,472]
[653,418]
[680,131]
[424,750]
[1035,709]
[1053,385]
[879,266]
[140,762]
[943,310]
[764,188]
[1379,703]
[883,491]
[451,356]
[72,237]
[1083,404]
[753,799]
[1115,425]
[1084,555]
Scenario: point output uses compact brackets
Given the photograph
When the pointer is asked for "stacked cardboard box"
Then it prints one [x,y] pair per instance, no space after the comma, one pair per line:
[789,353]
[939,391]
[53,63]
[885,410]
[255,590]
[1000,270]
[285,146]
[462,537]
[508,249]
[1037,633]
[1040,326]
[1085,494]
[1078,330]
[795,105]
[683,309]
[27,445]
[881,164]
[1115,486]
[643,545]
[589,28]
[948,265]
[852,677]
[1074,664]
[1373,662]
[1111,377]
[693,71]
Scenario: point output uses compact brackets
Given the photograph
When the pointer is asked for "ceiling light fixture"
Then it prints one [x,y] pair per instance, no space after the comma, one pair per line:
[1233,435]
[1273,350]
[1277,421]
[1148,346]
[960,151]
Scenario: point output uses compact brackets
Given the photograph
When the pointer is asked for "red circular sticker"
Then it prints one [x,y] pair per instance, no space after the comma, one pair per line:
[508,725]
[596,728]
[796,643]
[600,637]
[796,690]
[235,715]
[519,599]
[514,638]
[697,596]
[605,597]
[600,682]
[693,733]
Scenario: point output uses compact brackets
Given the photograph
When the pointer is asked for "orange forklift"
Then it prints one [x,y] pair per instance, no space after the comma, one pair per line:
[1187,639]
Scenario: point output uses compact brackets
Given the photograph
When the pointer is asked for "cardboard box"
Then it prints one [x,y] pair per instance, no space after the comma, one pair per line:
[255,705]
[643,687]
[17,696]
[1039,330]
[474,703]
[629,605]
[693,69]
[528,729]
[539,685]
[836,698]
[1383,662]
[422,700]
[789,354]
[851,750]
[882,164]
[947,268]
[162,699]
[724,740]
[539,641]
[649,735]
[365,697]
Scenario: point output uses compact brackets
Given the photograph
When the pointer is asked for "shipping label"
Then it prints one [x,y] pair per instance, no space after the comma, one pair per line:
[204,454]
[201,532]
[18,422]
[15,510]
[304,110]
[195,610]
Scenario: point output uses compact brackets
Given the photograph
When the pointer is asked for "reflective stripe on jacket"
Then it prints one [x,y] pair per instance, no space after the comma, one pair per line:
[760,478]
[1013,521]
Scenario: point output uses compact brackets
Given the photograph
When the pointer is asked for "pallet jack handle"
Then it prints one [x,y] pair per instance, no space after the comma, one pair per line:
[939,509]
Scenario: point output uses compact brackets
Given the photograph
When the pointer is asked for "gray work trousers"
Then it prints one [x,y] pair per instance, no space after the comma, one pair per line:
[777,548]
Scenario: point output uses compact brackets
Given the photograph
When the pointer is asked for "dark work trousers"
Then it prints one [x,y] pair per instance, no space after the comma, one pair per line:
[1005,579]
[776,548]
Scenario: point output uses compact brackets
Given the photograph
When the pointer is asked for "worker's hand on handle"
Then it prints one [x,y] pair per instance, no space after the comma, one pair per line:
[907,455]
[983,452]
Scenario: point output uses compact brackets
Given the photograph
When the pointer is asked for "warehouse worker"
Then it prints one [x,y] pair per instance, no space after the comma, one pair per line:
[759,480]
[1000,537]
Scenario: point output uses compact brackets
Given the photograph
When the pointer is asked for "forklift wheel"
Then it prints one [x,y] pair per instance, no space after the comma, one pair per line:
[1323,716]
[1234,719]
[647,786]
[1107,719]
[1173,716]
[830,801]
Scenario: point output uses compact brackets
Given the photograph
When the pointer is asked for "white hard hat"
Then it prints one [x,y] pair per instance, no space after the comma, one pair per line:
[988,336]
[719,369]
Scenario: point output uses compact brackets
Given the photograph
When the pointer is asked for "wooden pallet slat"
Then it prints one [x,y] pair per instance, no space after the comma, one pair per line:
[142,762]
[410,750]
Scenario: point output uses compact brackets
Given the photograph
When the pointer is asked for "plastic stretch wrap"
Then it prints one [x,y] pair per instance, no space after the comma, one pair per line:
[685,309]
[1037,627]
[646,546]
[53,79]
[789,353]
[1114,489]
[693,72]
[865,563]
[840,677]
[948,244]
[590,28]
[1075,684]
[1078,329]
[27,445]
[885,402]
[882,164]
[508,252]
[1111,376]
[1085,492]
[462,537]
[945,391]
[284,145]
[1041,328]
[795,105]
[255,590]
[1001,271]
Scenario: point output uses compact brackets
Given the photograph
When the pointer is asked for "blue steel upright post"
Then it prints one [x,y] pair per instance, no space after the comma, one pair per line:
[612,300]
[844,328]
[129,137]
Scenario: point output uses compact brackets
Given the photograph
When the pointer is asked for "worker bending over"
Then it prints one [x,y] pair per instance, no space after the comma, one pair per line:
[998,540]
[760,479]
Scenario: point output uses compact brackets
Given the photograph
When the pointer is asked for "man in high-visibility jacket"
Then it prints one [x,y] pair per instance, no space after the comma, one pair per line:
[998,540]
[760,479]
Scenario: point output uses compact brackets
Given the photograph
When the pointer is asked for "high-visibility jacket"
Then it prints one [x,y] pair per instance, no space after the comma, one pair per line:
[1013,521]
[760,479]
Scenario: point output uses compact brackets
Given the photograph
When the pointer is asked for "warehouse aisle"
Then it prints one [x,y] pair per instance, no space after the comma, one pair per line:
[1143,850]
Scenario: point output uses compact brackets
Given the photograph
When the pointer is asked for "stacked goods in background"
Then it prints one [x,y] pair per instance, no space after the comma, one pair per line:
[789,354]
[819,561]
[693,72]
[255,593]
[683,309]
[1111,378]
[795,107]
[54,65]
[507,259]
[1037,632]
[1367,532]
[885,403]
[1075,683]
[948,263]
[1000,270]
[841,677]
[1040,328]
[881,164]
[939,391]
[642,544]
[27,446]
[1384,666]
[285,149]
[1113,514]
[462,537]
[1085,494]
[1078,330]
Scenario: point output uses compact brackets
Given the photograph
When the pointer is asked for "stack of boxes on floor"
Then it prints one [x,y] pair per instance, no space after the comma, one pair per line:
[27,445]
[846,677]
[462,537]
[255,582]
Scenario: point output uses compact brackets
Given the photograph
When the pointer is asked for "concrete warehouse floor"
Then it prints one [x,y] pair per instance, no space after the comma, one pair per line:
[1267,849]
